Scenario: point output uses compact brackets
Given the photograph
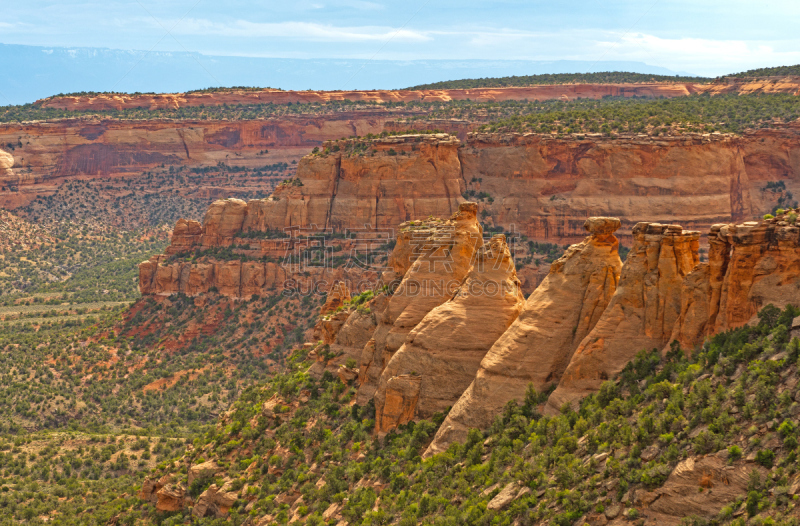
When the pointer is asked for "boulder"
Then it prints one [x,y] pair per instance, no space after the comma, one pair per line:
[170,497]
[506,496]
[699,486]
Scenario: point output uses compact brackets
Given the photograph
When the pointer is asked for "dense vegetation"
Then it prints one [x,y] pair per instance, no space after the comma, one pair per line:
[780,71]
[697,113]
[605,77]
[301,437]
[73,478]
[154,198]
[71,264]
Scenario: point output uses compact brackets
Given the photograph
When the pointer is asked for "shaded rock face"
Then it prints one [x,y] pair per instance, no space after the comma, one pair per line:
[640,315]
[445,252]
[440,356]
[537,347]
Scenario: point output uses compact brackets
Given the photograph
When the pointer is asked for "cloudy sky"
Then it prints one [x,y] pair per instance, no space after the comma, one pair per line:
[704,37]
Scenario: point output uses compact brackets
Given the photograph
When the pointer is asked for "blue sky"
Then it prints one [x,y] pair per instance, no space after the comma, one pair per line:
[701,37]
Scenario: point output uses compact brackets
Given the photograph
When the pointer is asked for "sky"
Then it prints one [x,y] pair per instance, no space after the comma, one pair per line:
[708,38]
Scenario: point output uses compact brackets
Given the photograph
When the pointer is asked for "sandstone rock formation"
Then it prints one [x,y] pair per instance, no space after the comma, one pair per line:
[539,344]
[404,178]
[750,265]
[215,501]
[445,254]
[441,354]
[223,220]
[641,314]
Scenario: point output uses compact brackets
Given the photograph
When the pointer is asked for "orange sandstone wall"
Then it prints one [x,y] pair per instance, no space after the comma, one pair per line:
[541,92]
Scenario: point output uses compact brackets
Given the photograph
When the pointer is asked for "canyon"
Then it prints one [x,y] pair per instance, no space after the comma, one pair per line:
[38,157]
[437,338]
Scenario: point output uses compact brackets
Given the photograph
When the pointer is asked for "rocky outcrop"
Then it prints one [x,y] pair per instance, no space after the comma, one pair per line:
[538,186]
[105,102]
[541,186]
[185,236]
[750,265]
[50,153]
[223,220]
[441,354]
[641,314]
[547,188]
[163,276]
[215,501]
[680,497]
[537,347]
[445,251]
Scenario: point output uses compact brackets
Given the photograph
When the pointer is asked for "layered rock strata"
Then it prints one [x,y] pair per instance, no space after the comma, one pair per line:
[441,354]
[444,256]
[538,185]
[537,347]
[750,265]
[105,102]
[641,314]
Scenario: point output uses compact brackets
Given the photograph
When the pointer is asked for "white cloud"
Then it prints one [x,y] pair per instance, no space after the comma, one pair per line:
[298,31]
[710,57]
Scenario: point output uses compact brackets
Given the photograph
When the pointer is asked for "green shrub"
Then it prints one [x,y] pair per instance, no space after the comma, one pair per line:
[765,457]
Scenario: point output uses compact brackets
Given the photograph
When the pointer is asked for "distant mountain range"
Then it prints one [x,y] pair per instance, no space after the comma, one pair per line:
[29,73]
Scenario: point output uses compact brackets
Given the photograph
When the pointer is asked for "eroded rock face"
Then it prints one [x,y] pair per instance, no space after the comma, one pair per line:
[641,314]
[763,267]
[446,250]
[223,220]
[6,163]
[537,347]
[185,236]
[441,354]
[215,501]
